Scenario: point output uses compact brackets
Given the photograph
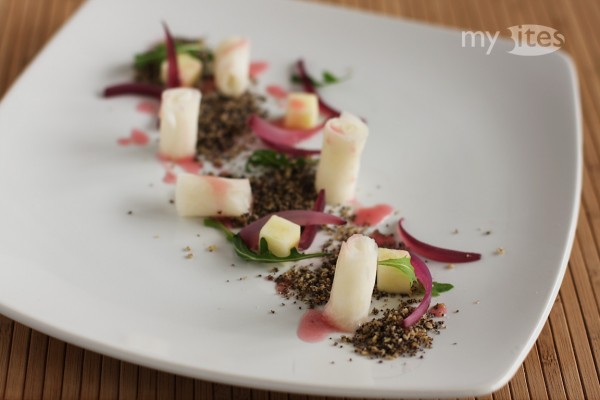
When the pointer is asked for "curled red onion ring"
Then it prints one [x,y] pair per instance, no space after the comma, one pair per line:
[273,133]
[250,233]
[424,276]
[433,252]
[310,231]
[289,150]
[173,69]
[142,89]
[310,88]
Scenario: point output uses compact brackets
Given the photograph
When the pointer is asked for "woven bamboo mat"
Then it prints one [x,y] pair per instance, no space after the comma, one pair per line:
[563,364]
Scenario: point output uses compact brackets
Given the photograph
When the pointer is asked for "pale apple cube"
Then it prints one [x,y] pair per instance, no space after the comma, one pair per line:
[302,111]
[211,196]
[281,235]
[390,279]
[190,70]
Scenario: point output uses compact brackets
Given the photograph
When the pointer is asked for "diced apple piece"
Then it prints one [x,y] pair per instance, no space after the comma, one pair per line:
[281,235]
[390,279]
[343,142]
[302,111]
[353,283]
[211,196]
[179,112]
[190,70]
[232,66]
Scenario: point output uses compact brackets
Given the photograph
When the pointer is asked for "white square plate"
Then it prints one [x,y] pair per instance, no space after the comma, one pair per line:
[458,139]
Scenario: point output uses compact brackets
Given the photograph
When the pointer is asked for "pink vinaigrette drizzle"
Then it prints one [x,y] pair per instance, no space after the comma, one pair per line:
[314,327]
[257,68]
[148,107]
[371,216]
[136,137]
[188,164]
[277,92]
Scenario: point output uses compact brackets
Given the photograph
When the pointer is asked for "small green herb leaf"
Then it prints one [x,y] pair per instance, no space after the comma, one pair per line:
[273,159]
[440,288]
[403,265]
[263,255]
[213,223]
[159,53]
[328,78]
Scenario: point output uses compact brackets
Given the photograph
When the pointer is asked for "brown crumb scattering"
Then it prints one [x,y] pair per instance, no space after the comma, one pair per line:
[189,256]
[500,251]
[211,248]
[385,338]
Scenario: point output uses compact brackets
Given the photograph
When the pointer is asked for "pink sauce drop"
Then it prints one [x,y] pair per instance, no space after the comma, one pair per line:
[439,310]
[314,327]
[257,68]
[277,92]
[170,177]
[148,107]
[136,137]
[191,166]
[371,216]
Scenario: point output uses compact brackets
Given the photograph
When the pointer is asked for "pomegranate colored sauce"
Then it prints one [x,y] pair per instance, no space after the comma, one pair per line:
[314,327]
[148,107]
[277,92]
[191,166]
[170,177]
[257,68]
[439,310]
[371,216]
[136,137]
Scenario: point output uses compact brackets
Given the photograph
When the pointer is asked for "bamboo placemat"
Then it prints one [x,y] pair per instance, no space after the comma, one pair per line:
[563,364]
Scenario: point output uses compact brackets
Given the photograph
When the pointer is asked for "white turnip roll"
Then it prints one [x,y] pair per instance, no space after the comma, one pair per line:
[179,111]
[232,66]
[353,283]
[343,142]
[211,196]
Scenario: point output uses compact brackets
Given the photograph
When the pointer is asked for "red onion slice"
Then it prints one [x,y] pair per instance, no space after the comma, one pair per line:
[142,89]
[423,276]
[276,134]
[310,231]
[291,151]
[173,69]
[310,88]
[250,233]
[433,252]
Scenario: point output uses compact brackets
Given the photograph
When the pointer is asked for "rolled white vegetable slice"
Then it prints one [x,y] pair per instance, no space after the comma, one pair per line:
[211,196]
[179,111]
[353,283]
[343,141]
[232,66]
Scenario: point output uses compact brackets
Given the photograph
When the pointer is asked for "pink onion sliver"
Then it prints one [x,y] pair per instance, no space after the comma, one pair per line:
[142,89]
[275,134]
[310,231]
[309,87]
[291,151]
[173,69]
[433,252]
[424,276]
[250,233]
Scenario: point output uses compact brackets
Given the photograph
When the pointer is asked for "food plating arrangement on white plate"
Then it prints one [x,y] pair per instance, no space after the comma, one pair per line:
[289,217]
